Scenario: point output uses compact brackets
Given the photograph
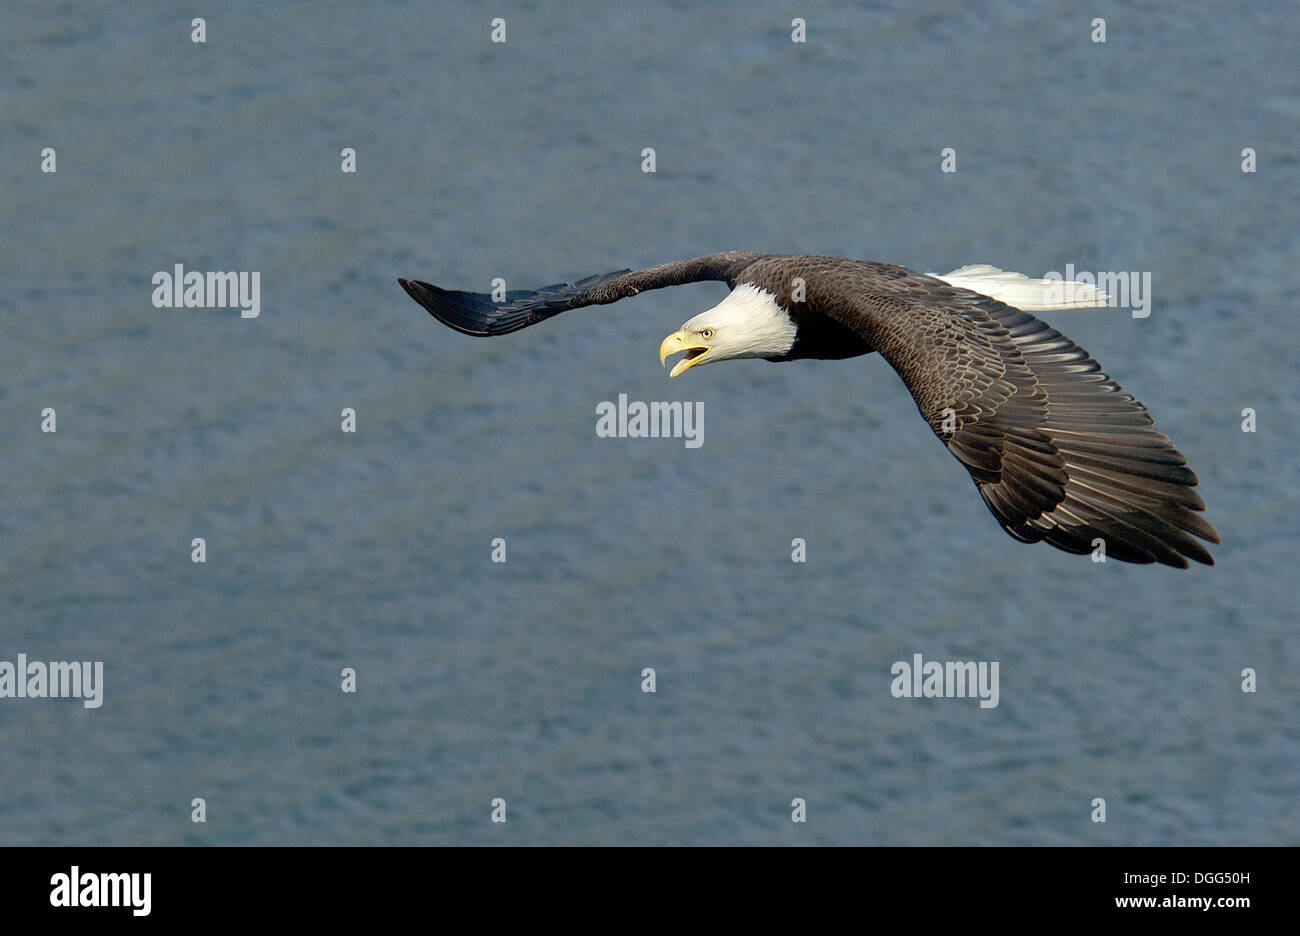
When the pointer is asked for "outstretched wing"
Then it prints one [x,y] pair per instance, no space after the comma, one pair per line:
[1059,452]
[476,313]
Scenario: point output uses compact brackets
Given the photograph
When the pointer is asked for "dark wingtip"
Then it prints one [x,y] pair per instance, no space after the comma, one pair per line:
[468,313]
[423,293]
[411,287]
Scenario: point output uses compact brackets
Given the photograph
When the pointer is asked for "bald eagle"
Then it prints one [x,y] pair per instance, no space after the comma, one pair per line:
[1057,450]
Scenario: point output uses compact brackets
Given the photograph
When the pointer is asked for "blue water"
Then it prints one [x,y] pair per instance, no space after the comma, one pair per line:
[522,680]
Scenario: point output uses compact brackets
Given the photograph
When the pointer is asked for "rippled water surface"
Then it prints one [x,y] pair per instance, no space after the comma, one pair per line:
[522,680]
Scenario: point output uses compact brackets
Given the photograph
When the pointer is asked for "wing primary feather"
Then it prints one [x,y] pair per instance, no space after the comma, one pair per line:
[476,314]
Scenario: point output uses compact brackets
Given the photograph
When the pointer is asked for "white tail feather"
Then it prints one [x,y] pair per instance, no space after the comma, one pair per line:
[1021,292]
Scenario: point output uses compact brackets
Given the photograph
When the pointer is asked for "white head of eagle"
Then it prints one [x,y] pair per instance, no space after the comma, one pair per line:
[749,323]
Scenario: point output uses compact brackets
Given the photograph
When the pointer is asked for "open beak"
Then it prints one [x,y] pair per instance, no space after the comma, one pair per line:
[680,341]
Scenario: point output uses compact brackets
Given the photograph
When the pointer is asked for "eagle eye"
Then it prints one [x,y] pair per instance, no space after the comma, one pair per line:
[706,333]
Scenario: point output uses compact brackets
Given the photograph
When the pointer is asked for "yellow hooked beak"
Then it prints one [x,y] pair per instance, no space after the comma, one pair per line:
[695,350]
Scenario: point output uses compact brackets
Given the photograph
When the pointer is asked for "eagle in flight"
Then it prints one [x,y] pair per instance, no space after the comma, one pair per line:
[1058,451]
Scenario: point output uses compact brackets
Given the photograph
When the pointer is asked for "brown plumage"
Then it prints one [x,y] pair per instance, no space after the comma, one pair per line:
[1057,450]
